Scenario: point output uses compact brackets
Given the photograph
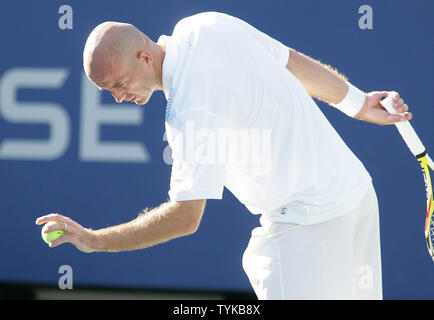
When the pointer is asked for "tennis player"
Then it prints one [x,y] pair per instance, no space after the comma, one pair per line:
[319,235]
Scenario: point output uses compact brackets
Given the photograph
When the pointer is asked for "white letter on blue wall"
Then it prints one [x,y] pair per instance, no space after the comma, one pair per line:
[46,113]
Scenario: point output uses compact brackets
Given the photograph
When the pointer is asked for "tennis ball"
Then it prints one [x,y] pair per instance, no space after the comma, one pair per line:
[52,235]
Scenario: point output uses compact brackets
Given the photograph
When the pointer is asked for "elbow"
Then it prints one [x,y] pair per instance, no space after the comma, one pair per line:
[192,227]
[195,213]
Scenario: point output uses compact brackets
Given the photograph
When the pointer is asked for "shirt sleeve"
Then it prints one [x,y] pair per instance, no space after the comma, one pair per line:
[197,171]
[277,49]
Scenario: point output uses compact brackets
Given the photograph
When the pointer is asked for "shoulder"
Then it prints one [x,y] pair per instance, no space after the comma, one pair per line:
[209,22]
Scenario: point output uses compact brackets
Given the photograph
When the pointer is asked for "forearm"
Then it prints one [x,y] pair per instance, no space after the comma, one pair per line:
[320,80]
[166,222]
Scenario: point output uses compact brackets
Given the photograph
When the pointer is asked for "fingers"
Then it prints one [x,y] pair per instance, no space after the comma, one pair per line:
[61,222]
[395,118]
[408,115]
[62,239]
[55,217]
[398,103]
[58,226]
[49,217]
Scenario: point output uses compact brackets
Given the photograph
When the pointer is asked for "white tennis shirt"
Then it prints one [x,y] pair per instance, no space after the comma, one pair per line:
[237,118]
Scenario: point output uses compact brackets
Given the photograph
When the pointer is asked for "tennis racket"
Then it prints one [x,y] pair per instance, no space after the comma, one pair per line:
[418,150]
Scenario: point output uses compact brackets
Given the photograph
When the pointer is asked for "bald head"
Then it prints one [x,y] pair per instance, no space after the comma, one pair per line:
[120,58]
[111,44]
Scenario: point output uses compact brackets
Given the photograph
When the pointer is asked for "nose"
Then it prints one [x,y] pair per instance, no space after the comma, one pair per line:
[119,96]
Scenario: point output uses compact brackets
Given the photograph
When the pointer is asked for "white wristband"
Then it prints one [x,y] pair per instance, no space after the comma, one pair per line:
[353,101]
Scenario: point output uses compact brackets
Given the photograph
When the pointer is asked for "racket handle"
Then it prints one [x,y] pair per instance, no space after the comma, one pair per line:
[405,129]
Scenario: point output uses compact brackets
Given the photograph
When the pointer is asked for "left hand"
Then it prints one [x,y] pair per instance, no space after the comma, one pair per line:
[82,238]
[373,111]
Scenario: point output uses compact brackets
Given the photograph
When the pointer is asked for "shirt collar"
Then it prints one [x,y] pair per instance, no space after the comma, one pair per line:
[169,63]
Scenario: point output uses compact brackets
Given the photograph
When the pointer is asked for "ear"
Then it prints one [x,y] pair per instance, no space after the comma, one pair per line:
[144,56]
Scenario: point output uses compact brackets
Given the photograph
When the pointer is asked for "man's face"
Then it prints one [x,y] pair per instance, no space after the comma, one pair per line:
[130,81]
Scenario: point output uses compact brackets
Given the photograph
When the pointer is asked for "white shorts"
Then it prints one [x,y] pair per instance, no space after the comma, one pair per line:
[336,259]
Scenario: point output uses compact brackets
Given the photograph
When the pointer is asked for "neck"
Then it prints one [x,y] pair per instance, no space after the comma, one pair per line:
[161,52]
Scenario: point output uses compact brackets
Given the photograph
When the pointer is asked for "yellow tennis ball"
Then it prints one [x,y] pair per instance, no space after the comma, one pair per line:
[52,235]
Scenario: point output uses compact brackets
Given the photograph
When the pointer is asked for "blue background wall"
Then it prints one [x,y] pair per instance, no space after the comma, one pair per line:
[397,54]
